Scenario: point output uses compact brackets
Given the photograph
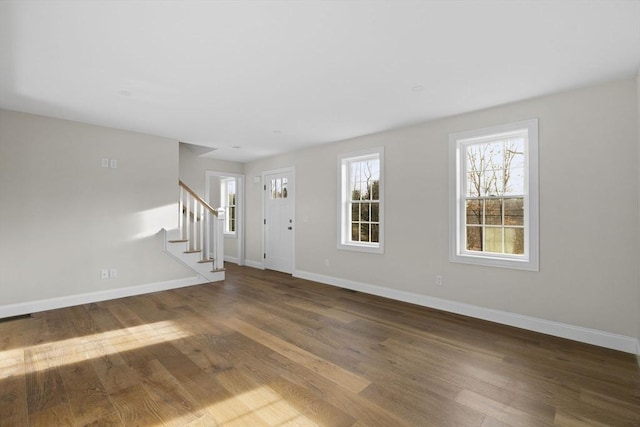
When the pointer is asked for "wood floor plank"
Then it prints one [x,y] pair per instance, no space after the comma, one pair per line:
[43,382]
[334,373]
[265,349]
[88,399]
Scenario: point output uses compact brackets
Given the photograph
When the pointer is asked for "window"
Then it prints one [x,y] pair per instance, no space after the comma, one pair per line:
[229,203]
[494,196]
[361,204]
[279,188]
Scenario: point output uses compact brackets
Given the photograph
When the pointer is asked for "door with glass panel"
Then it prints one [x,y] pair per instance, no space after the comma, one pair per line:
[279,221]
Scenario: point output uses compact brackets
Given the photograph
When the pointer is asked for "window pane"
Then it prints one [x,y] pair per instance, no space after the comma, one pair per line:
[493,212]
[474,185]
[364,211]
[474,238]
[355,193]
[364,232]
[514,179]
[273,188]
[355,232]
[232,225]
[284,188]
[474,211]
[514,240]
[514,211]
[375,233]
[375,190]
[375,214]
[278,188]
[355,211]
[493,239]
[514,153]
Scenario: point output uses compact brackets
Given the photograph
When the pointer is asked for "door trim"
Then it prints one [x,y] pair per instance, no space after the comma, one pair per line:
[292,170]
[239,207]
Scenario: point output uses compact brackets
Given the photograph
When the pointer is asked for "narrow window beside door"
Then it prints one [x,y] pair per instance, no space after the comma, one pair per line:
[229,203]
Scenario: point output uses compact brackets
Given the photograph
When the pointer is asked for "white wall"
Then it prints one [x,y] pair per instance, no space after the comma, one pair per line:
[63,217]
[588,212]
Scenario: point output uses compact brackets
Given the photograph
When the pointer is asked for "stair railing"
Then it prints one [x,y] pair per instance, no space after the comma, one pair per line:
[202,226]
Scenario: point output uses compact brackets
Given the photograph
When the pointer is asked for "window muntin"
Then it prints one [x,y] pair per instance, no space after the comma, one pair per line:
[228,201]
[361,202]
[495,196]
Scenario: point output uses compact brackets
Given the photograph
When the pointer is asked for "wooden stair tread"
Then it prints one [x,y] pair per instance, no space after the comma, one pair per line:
[217,270]
[206,260]
[193,251]
[179,241]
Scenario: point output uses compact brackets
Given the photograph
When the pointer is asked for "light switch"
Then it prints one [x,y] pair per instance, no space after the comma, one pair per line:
[105,163]
[113,163]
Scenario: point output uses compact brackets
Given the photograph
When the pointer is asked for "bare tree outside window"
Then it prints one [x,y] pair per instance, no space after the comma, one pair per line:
[365,200]
[495,196]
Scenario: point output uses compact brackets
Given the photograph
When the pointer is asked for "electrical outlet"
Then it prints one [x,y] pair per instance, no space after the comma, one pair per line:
[438,280]
[113,272]
[104,273]
[105,163]
[113,164]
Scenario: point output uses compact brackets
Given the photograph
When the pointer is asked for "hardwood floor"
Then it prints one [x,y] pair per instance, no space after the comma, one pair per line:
[263,348]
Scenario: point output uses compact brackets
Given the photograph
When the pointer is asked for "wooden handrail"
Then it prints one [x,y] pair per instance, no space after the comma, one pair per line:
[198,198]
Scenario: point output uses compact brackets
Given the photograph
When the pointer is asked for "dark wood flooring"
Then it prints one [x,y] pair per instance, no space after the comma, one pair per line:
[263,348]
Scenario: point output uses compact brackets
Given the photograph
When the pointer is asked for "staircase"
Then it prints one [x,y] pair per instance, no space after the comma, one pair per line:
[198,242]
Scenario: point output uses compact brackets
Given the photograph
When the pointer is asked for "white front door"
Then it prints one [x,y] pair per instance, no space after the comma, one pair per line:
[279,225]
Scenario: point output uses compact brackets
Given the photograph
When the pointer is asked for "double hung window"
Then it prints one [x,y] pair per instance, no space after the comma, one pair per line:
[229,203]
[360,201]
[494,196]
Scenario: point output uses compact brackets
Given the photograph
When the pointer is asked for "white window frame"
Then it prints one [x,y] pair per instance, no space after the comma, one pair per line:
[457,227]
[344,205]
[224,189]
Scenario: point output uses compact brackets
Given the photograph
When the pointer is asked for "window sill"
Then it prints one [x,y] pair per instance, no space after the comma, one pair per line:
[495,261]
[375,249]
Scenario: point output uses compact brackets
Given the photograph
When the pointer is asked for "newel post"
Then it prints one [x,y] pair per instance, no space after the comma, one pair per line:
[219,240]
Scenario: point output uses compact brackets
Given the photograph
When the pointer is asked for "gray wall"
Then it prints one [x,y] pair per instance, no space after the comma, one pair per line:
[588,212]
[638,167]
[63,217]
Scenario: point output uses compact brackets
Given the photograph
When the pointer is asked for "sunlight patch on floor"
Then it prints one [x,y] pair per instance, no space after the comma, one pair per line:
[261,403]
[78,349]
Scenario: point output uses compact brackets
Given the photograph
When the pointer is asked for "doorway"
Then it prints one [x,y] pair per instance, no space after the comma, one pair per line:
[279,215]
[226,190]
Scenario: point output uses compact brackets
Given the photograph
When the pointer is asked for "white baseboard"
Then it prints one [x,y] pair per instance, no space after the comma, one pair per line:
[254,264]
[231,259]
[19,309]
[563,330]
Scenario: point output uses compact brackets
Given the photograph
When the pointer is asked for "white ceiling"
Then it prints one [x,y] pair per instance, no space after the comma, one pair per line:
[274,76]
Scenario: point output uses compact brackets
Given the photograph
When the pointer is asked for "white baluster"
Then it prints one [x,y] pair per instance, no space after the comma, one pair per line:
[181,213]
[205,234]
[187,221]
[194,229]
[219,240]
[201,229]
